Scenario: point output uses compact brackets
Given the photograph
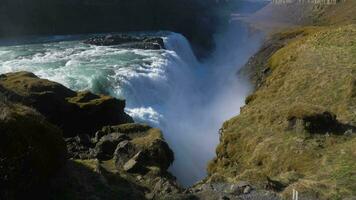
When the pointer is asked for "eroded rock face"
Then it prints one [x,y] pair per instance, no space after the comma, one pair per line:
[79,146]
[123,143]
[127,41]
[74,112]
[136,164]
[105,148]
[32,151]
[133,150]
[123,152]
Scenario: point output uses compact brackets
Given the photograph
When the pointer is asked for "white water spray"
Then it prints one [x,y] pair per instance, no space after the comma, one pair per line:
[169,89]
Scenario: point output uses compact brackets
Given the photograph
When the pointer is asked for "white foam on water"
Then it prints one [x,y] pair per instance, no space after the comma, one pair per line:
[167,88]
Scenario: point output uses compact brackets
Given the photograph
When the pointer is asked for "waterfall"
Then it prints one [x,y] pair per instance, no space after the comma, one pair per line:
[167,88]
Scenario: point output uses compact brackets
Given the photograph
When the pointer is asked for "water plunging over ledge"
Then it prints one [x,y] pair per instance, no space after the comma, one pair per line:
[169,89]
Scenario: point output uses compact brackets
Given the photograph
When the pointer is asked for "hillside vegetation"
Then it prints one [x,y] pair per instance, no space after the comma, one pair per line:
[297,130]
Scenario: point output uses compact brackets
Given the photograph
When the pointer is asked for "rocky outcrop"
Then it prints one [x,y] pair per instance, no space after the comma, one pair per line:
[74,112]
[129,145]
[127,41]
[128,161]
[32,152]
[129,150]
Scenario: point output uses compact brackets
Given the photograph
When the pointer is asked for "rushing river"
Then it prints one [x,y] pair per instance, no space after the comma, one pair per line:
[169,89]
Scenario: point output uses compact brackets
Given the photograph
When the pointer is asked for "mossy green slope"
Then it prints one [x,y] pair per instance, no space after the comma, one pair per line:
[313,72]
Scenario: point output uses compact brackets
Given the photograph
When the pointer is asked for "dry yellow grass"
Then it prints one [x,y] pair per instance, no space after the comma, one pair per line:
[314,72]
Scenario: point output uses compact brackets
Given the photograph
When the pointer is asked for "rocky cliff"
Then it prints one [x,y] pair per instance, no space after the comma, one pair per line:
[74,112]
[297,129]
[60,144]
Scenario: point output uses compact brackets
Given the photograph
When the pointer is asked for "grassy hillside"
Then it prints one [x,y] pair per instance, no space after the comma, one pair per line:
[297,129]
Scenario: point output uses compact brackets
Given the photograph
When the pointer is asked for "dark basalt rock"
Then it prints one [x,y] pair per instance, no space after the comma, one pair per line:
[124,151]
[158,154]
[74,112]
[78,147]
[121,143]
[106,146]
[127,41]
[136,164]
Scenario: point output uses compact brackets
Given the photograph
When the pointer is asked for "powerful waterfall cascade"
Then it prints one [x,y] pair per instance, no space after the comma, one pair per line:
[168,89]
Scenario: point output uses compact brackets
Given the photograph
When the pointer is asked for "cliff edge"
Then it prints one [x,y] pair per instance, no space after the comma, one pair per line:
[297,129]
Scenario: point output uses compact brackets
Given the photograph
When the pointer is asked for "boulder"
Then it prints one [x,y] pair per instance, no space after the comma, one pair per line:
[135,164]
[154,150]
[158,154]
[74,112]
[105,148]
[127,41]
[124,151]
[32,151]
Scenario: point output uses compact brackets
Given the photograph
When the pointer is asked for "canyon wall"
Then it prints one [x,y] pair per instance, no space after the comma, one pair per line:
[297,129]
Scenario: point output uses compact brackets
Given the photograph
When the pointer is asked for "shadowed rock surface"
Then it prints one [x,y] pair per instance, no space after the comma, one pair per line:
[32,152]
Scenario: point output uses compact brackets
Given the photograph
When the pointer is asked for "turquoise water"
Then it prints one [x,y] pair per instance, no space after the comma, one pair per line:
[168,89]
[140,76]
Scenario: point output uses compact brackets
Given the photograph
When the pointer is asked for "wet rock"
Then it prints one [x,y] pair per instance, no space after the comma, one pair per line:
[74,112]
[127,41]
